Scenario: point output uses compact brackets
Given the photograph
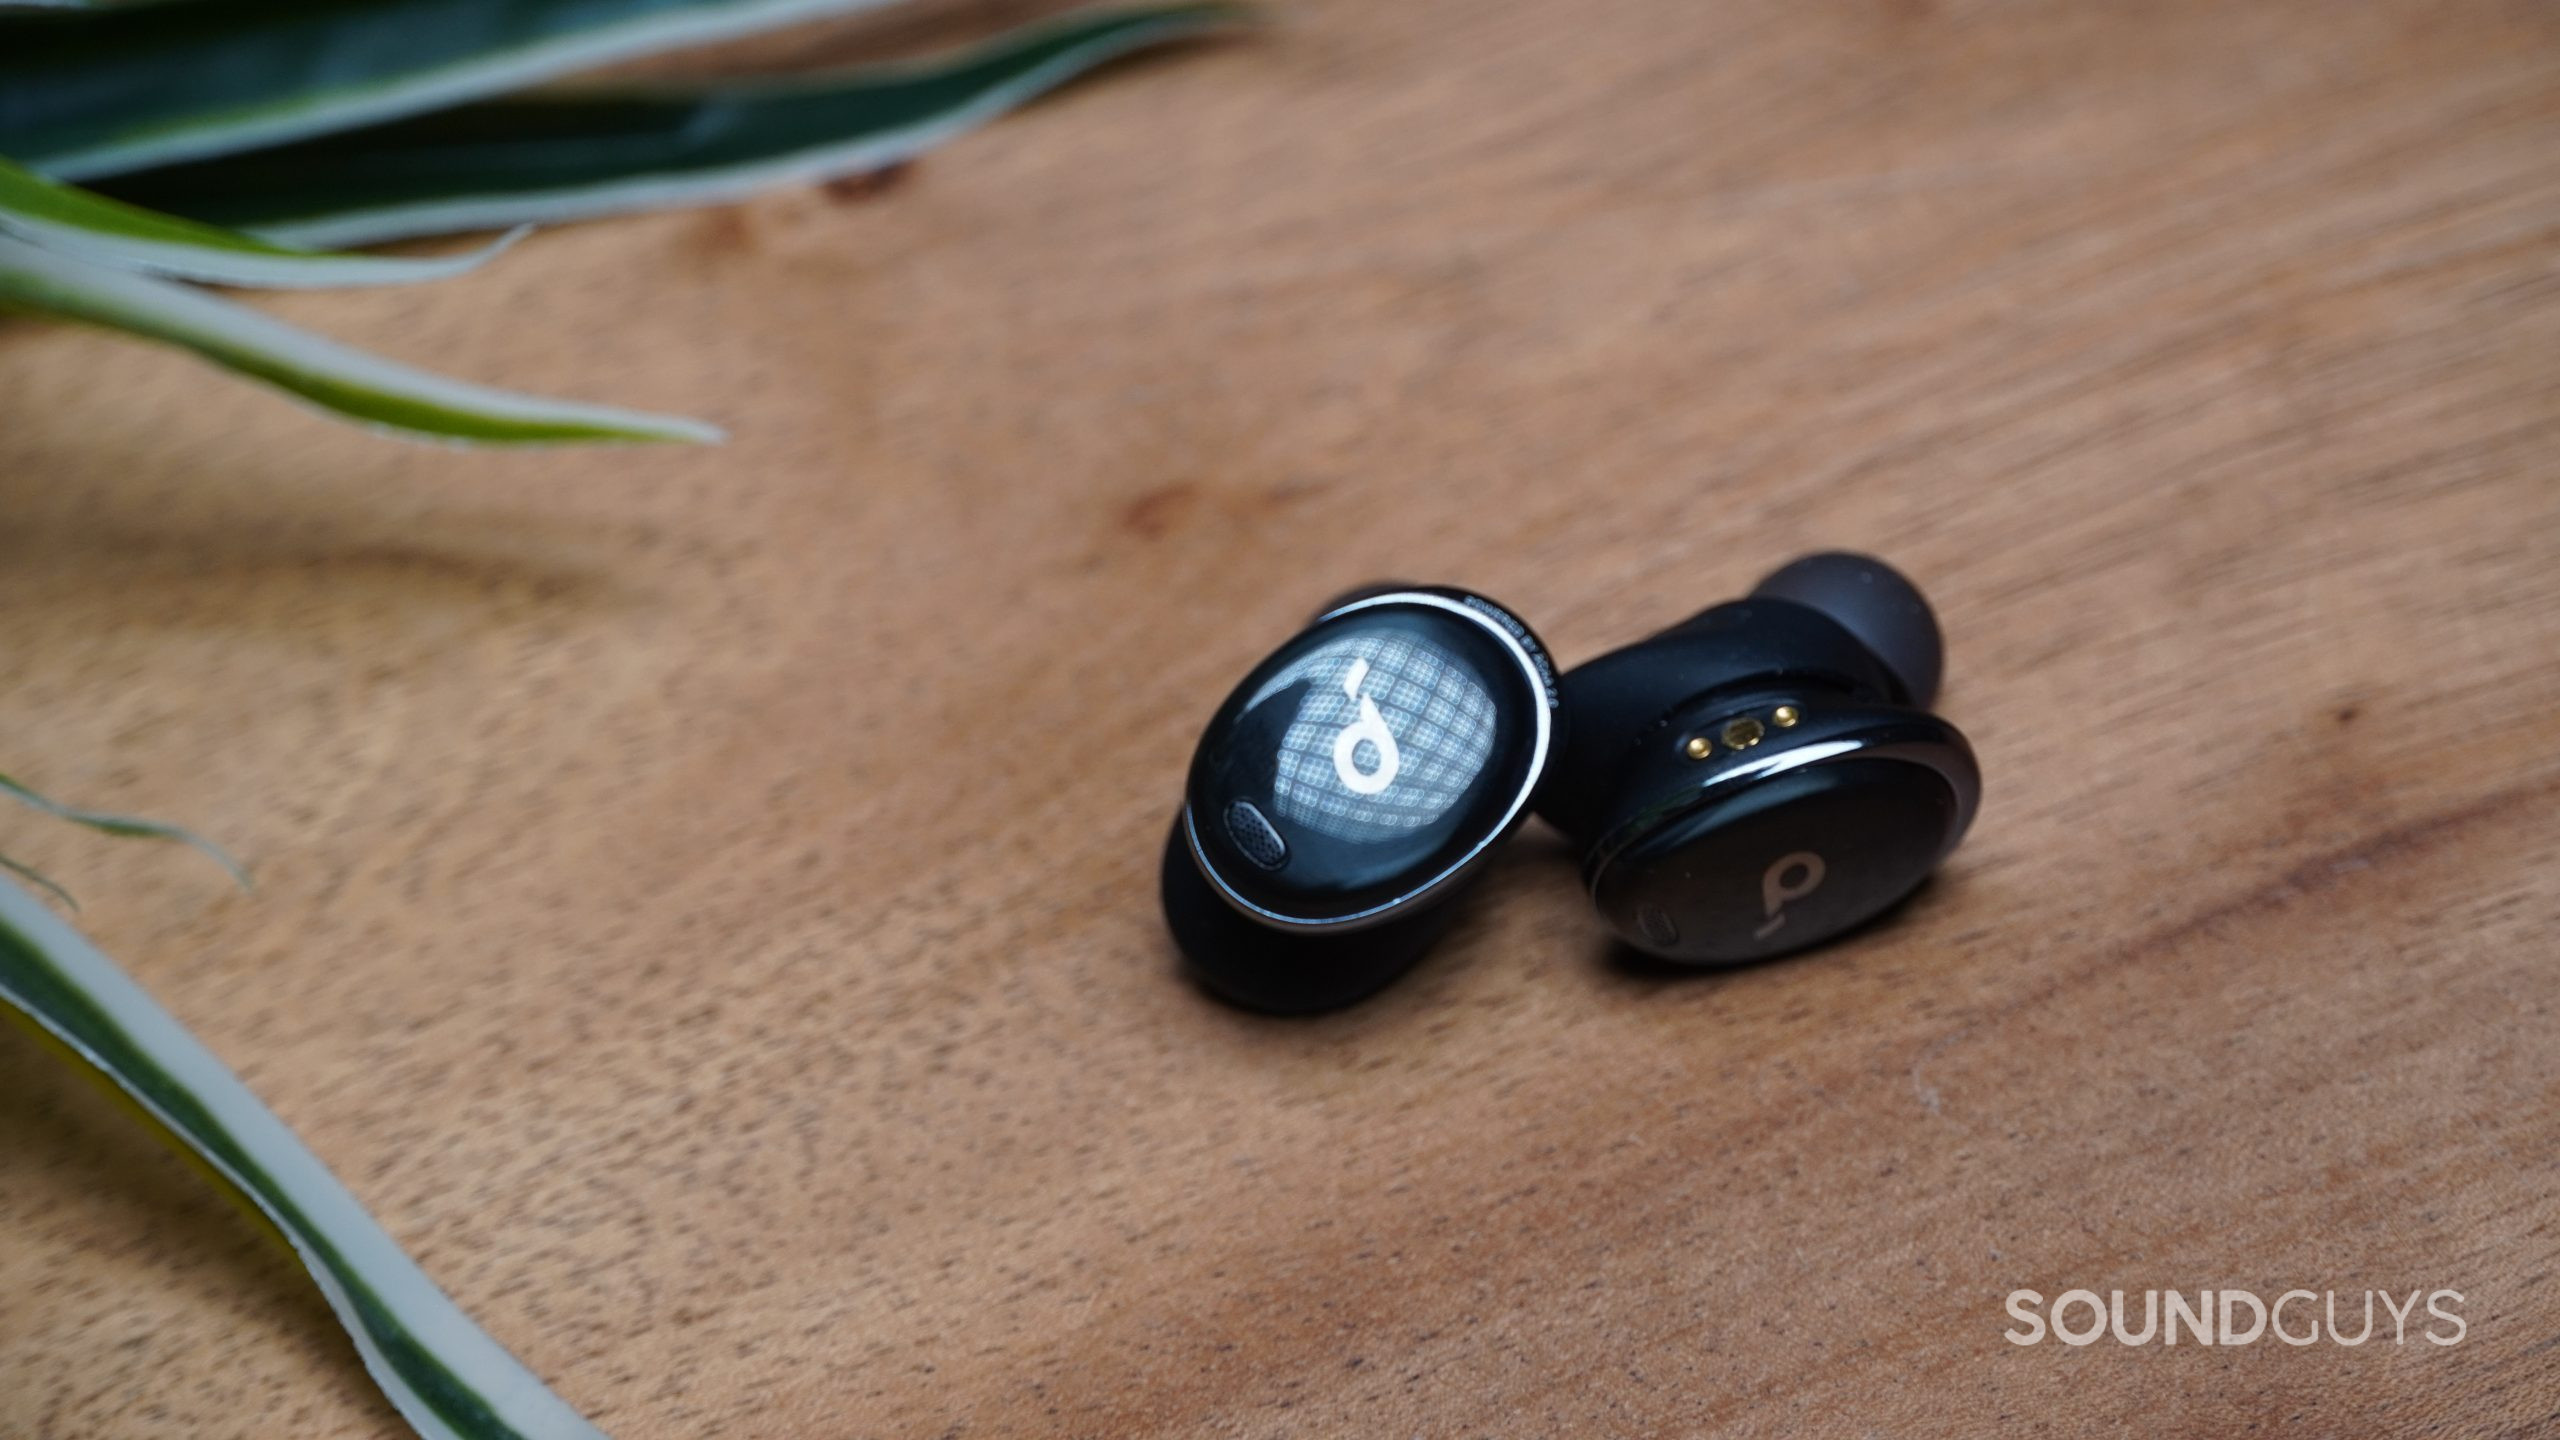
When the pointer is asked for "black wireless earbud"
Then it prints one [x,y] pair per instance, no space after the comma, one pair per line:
[1766,774]
[1353,784]
[1756,779]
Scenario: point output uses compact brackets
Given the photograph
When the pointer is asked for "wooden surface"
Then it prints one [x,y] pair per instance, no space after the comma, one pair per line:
[707,898]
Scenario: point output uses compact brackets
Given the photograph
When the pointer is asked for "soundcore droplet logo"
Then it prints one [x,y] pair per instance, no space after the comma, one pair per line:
[1789,877]
[1387,734]
[1370,730]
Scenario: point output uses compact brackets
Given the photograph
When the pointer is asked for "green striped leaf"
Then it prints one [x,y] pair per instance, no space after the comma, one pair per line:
[41,881]
[576,155]
[445,1375]
[60,217]
[94,92]
[333,376]
[131,827]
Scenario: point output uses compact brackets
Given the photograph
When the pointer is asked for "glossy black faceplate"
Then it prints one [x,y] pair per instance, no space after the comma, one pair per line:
[1374,757]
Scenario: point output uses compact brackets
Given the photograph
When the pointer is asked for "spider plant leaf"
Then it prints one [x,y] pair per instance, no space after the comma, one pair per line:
[41,881]
[443,1373]
[94,92]
[576,155]
[93,227]
[333,376]
[129,826]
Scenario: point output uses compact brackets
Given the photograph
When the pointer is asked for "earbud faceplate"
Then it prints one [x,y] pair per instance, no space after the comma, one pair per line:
[1829,812]
[1353,782]
[1371,760]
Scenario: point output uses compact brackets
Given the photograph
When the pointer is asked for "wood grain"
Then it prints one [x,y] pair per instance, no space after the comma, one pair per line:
[706,898]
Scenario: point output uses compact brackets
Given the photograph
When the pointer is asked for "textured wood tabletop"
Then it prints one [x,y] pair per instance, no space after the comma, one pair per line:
[707,899]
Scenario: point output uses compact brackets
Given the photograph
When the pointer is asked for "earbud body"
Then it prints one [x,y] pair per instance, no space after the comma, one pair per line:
[1766,774]
[1353,784]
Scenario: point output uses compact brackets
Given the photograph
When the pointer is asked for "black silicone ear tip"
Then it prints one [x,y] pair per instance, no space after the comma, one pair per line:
[1872,601]
[1279,972]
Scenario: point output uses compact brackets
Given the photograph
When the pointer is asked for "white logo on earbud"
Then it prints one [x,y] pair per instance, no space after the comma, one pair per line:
[1775,891]
[1372,727]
